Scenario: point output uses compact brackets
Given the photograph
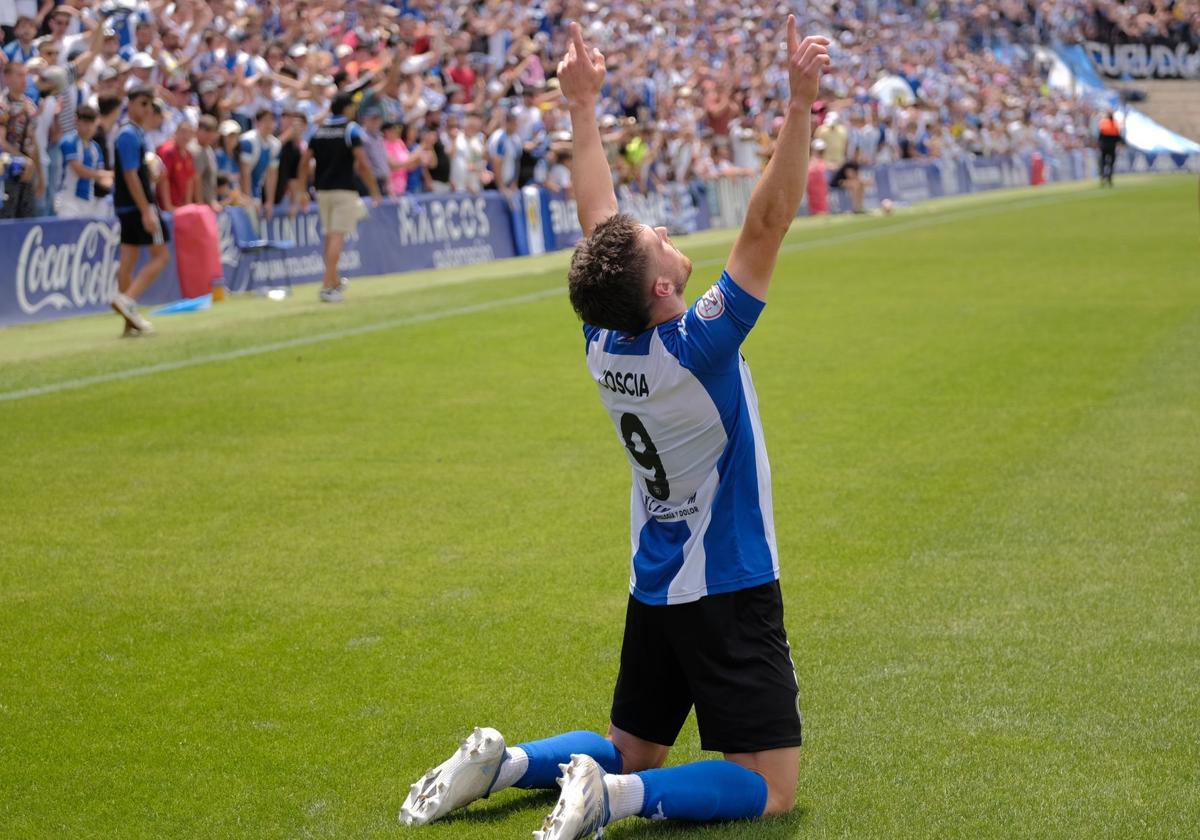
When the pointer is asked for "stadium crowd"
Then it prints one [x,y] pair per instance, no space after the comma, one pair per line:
[459,95]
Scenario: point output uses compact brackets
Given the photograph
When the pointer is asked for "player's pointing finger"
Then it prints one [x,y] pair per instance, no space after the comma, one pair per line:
[792,40]
[577,38]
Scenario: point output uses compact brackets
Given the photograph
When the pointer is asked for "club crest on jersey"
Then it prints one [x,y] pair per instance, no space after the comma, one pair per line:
[712,305]
[632,384]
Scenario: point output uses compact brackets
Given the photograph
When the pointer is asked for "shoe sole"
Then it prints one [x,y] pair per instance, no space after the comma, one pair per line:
[573,798]
[430,799]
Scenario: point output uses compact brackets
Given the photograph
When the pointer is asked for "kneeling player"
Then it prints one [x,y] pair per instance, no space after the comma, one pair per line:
[704,622]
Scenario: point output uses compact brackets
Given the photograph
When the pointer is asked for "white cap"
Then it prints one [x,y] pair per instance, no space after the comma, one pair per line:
[141,61]
[818,145]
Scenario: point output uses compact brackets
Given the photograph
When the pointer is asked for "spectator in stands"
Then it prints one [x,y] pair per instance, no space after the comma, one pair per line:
[373,145]
[48,132]
[290,189]
[23,178]
[258,156]
[142,71]
[463,74]
[504,152]
[228,194]
[177,187]
[437,159]
[108,110]
[413,134]
[558,176]
[228,152]
[468,167]
[836,138]
[204,159]
[22,49]
[84,169]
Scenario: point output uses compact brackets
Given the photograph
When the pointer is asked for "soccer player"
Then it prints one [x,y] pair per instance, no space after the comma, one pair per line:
[337,148]
[141,223]
[704,624]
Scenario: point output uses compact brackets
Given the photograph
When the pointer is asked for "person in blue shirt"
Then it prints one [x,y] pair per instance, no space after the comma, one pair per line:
[704,622]
[141,223]
[83,163]
[258,155]
[22,48]
[229,155]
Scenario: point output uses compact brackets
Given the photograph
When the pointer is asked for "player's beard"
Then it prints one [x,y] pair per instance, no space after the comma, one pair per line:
[682,282]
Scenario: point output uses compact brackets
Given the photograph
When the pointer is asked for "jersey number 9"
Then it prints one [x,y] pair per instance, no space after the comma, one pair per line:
[637,441]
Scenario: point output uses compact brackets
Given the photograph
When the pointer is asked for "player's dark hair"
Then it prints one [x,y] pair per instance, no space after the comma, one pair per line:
[141,92]
[341,102]
[85,113]
[607,279]
[262,114]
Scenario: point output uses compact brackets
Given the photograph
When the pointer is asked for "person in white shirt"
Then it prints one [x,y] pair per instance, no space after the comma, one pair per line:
[504,151]
[468,165]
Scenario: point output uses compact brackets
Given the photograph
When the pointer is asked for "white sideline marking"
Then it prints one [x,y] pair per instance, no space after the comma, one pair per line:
[442,314]
[259,349]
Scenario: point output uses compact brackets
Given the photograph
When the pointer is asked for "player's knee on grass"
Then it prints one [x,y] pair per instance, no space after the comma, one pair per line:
[779,801]
[637,754]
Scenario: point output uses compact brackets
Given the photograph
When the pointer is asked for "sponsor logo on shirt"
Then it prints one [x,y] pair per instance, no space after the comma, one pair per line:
[666,513]
[712,305]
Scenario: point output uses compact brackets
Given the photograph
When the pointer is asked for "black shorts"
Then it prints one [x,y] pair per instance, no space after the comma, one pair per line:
[843,174]
[726,654]
[133,232]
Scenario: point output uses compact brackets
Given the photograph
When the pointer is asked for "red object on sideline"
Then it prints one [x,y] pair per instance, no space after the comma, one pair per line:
[197,249]
[818,187]
[1037,170]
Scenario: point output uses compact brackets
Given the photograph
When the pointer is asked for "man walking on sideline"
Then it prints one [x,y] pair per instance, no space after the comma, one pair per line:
[337,148]
[704,622]
[141,223]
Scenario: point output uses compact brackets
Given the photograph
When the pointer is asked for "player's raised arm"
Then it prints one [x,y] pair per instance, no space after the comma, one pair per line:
[580,77]
[777,197]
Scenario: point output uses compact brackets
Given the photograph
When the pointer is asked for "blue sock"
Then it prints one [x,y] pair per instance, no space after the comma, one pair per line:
[547,754]
[703,792]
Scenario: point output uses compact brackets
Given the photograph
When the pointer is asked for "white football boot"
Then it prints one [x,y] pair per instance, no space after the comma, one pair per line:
[459,780]
[582,809]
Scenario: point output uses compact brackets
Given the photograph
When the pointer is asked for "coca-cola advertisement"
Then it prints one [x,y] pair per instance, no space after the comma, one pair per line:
[62,268]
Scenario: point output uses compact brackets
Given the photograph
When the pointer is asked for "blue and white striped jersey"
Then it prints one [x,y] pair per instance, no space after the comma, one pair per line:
[262,155]
[684,406]
[74,148]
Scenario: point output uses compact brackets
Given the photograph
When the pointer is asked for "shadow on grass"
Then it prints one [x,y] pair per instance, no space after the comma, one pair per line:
[486,812]
[782,827]
[771,828]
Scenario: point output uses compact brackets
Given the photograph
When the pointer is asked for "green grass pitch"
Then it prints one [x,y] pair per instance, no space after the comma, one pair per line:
[259,573]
